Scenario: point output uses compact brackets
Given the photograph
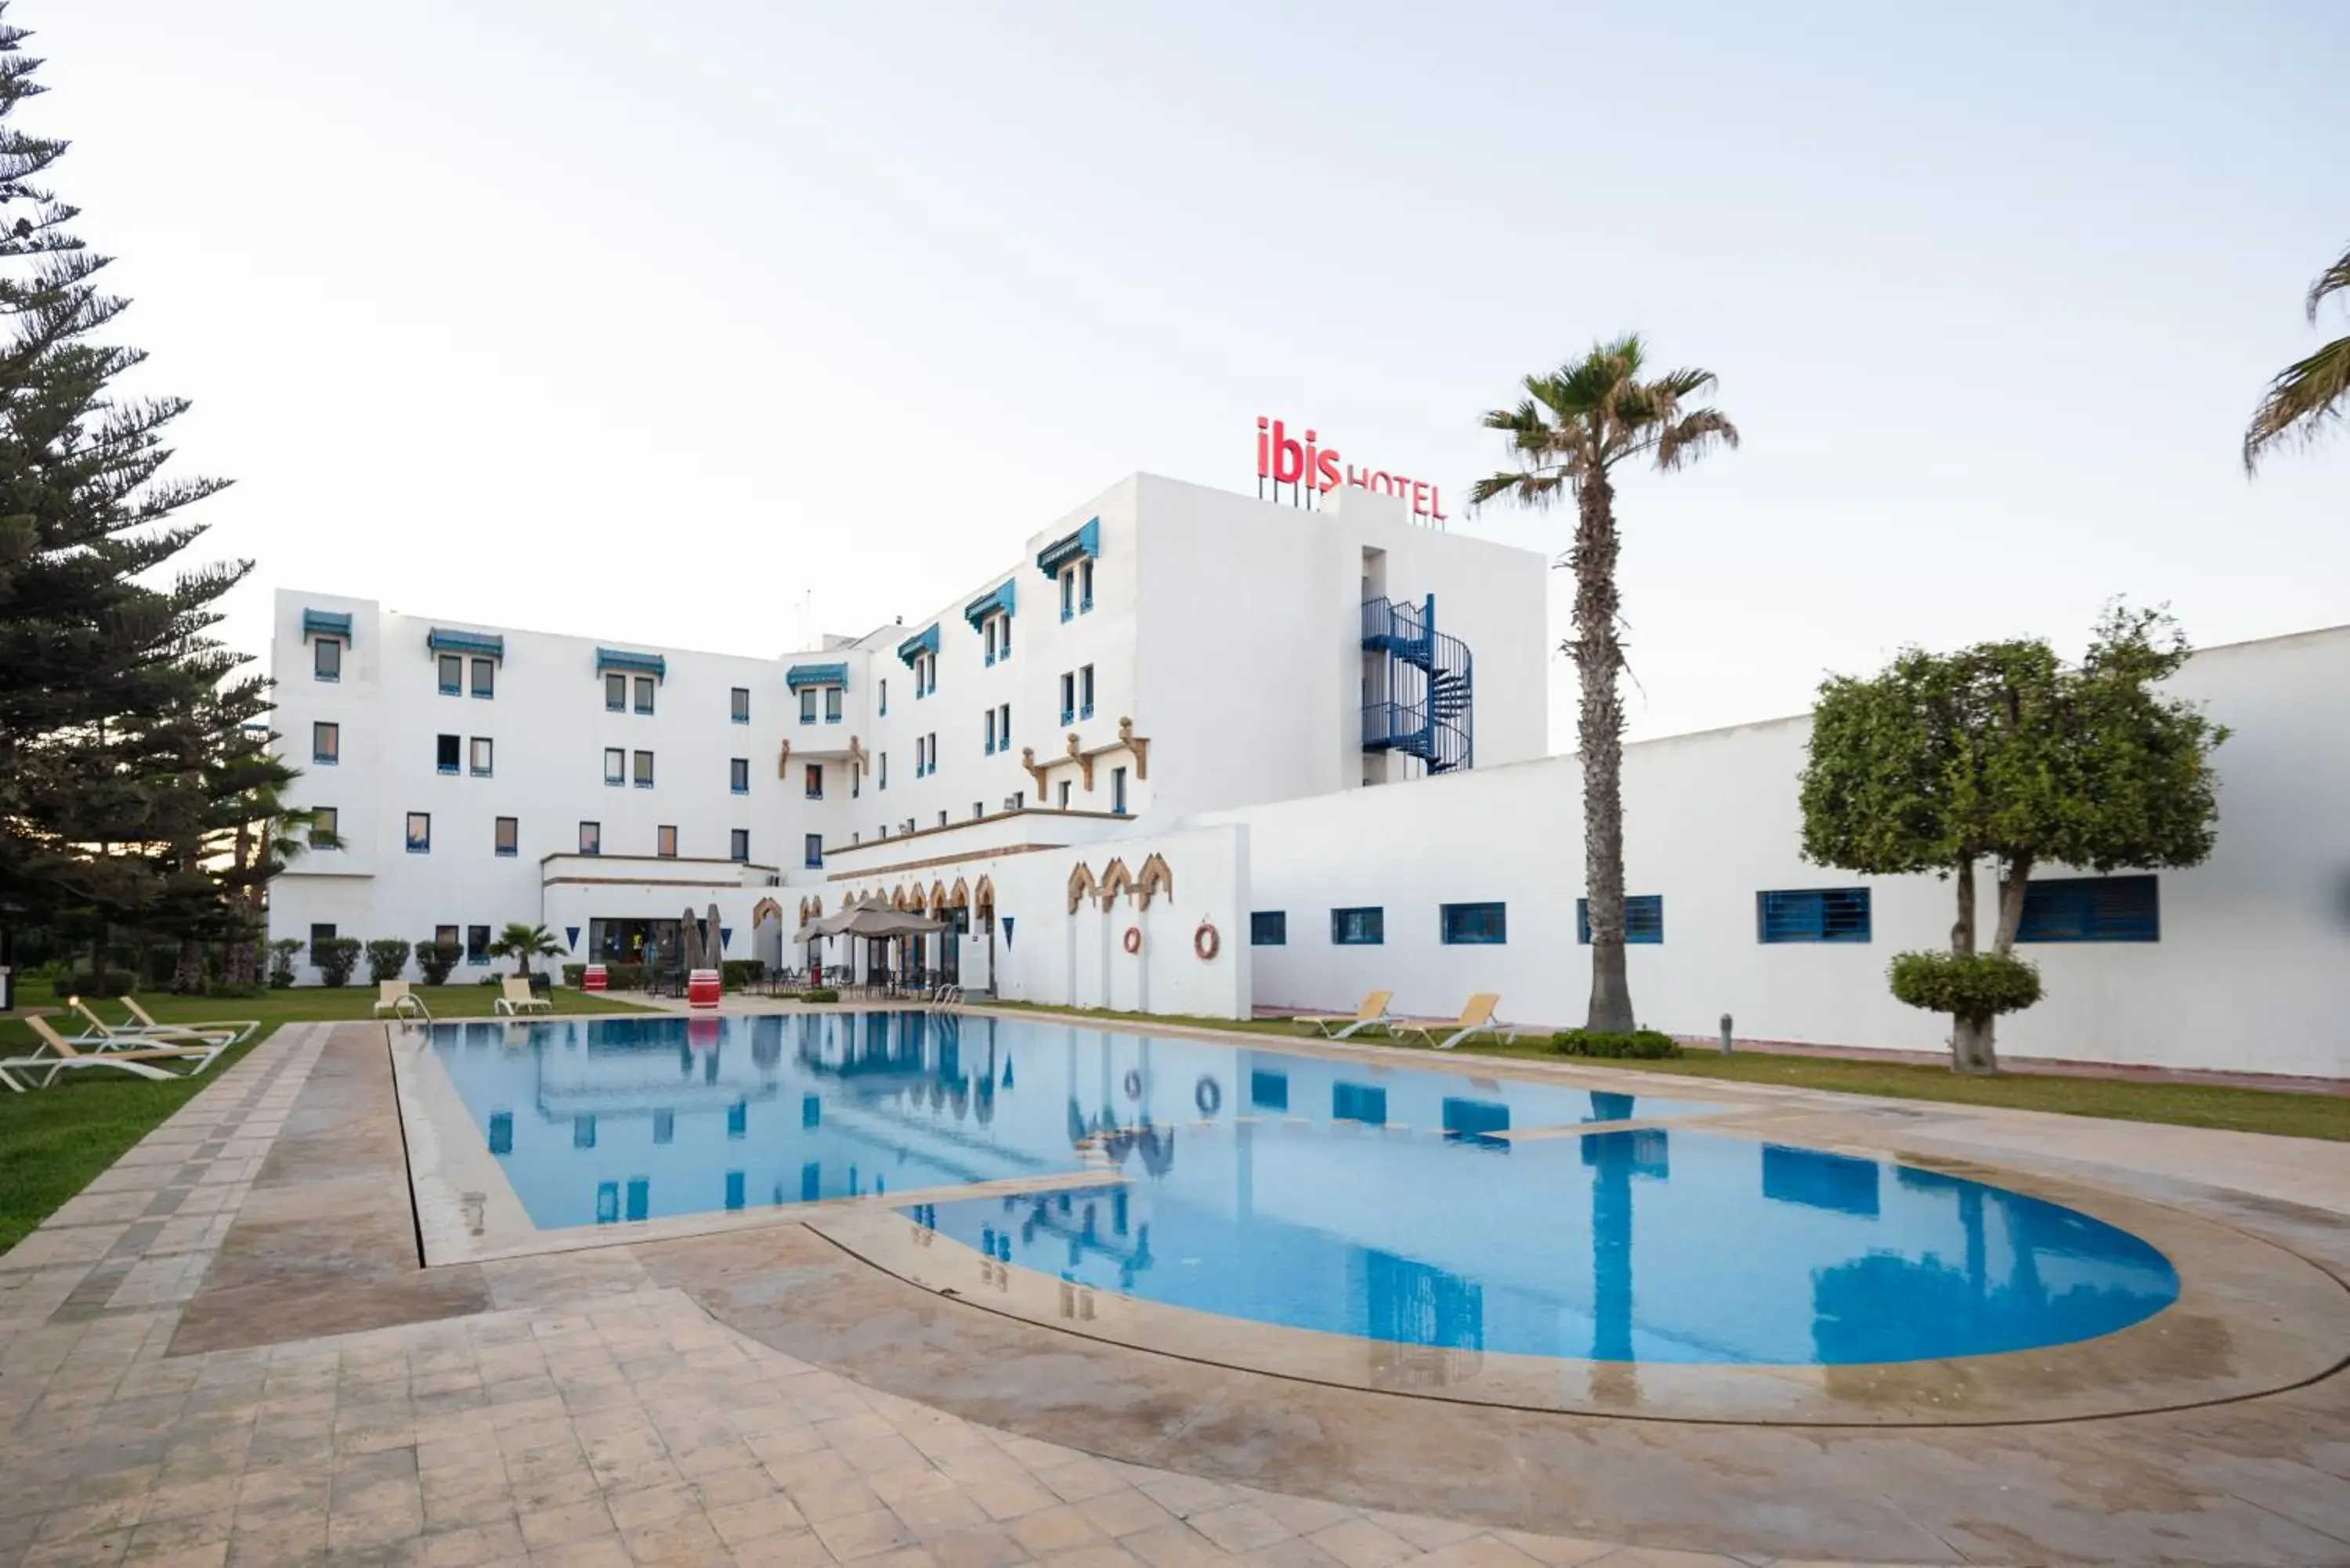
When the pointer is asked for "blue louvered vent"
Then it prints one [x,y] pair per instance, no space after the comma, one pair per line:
[1644,918]
[2091,909]
[1812,915]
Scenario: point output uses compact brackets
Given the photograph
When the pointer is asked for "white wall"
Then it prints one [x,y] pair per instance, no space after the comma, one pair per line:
[2251,972]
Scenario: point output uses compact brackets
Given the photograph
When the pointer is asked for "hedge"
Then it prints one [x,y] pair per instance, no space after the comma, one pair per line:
[1641,1045]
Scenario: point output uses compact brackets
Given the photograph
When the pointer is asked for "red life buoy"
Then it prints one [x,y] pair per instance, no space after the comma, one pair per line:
[1134,938]
[1205,943]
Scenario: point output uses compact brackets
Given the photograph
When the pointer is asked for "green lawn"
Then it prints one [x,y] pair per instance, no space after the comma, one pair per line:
[54,1140]
[2282,1112]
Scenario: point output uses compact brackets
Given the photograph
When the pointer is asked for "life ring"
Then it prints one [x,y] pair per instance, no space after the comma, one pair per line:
[1205,943]
[1134,1086]
[1208,1096]
[1134,938]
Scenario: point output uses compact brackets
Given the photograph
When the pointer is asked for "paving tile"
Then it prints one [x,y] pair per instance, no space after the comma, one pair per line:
[935,1514]
[1015,1498]
[685,1540]
[743,1522]
[550,1527]
[806,1551]
[1559,1551]
[1480,1552]
[473,1545]
[985,1546]
[1357,1542]
[1057,1529]
[1173,1545]
[852,1536]
[1241,1527]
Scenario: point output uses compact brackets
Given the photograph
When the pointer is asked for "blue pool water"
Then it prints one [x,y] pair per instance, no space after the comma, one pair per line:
[1299,1190]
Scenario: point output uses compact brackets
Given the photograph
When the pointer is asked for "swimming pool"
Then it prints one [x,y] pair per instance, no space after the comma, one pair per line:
[1422,1208]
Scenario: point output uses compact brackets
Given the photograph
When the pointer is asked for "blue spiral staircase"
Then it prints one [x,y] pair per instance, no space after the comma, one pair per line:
[1429,710]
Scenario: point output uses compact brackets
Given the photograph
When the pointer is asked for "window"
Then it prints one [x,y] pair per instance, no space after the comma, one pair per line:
[1812,915]
[327,659]
[1003,637]
[2091,909]
[1004,727]
[815,780]
[485,678]
[1019,800]
[326,825]
[591,839]
[509,831]
[1269,928]
[881,770]
[480,759]
[1644,918]
[645,684]
[988,631]
[978,809]
[445,753]
[665,842]
[1473,925]
[812,849]
[1117,791]
[1086,692]
[738,843]
[1085,587]
[883,696]
[832,704]
[1068,595]
[807,704]
[1068,696]
[738,775]
[419,832]
[326,743]
[926,674]
[1358,927]
[615,765]
[478,944]
[323,932]
[644,770]
[452,675]
[739,704]
[445,936]
[616,693]
[990,727]
[1063,796]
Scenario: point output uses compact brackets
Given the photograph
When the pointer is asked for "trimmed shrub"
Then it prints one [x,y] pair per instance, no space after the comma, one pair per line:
[821,993]
[81,982]
[575,974]
[387,958]
[1965,985]
[1640,1046]
[335,957]
[735,974]
[281,953]
[436,960]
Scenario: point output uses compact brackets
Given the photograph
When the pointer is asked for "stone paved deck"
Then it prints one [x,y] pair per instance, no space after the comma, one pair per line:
[224,1352]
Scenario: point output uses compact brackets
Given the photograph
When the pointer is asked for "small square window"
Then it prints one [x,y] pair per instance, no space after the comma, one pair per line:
[452,675]
[1269,928]
[325,826]
[615,765]
[1644,918]
[419,832]
[327,659]
[813,849]
[616,693]
[591,839]
[480,761]
[1474,925]
[485,678]
[445,936]
[1359,928]
[739,704]
[445,754]
[738,843]
[738,775]
[326,743]
[509,835]
[478,944]
[665,842]
[644,770]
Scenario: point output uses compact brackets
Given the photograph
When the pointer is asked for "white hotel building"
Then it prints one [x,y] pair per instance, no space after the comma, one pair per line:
[1115,808]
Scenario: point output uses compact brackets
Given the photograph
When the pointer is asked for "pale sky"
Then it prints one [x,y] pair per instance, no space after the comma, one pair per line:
[648,321]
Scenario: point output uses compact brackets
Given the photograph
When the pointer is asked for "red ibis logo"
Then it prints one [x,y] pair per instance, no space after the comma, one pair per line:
[1285,459]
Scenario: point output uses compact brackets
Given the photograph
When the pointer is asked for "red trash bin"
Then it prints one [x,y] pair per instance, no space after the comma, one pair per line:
[596,978]
[702,988]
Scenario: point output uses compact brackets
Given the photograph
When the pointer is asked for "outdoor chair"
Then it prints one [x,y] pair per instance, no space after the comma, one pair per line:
[393,997]
[55,1054]
[115,1036]
[1477,1018]
[1373,1010]
[519,999]
[240,1027]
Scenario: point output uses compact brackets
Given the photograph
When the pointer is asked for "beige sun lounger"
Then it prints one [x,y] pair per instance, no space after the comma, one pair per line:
[393,996]
[518,997]
[114,1036]
[1477,1018]
[55,1054]
[235,1029]
[1373,1011]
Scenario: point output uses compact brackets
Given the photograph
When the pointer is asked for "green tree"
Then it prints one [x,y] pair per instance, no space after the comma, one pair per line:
[104,669]
[1575,425]
[2310,394]
[2001,752]
[522,942]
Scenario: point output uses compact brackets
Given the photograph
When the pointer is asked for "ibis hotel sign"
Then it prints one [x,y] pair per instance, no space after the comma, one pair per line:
[1310,469]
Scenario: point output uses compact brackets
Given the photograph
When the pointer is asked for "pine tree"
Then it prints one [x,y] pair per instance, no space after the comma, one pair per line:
[109,685]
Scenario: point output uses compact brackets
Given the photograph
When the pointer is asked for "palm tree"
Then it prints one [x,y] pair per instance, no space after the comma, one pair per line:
[2307,395]
[522,942]
[1575,424]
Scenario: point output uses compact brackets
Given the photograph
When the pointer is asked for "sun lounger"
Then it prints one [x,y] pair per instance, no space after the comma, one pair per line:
[55,1054]
[518,997]
[393,996]
[235,1029]
[1373,1010]
[1477,1018]
[114,1036]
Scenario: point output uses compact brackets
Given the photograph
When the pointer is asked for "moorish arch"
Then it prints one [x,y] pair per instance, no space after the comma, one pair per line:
[983,895]
[938,902]
[1115,879]
[1081,885]
[765,909]
[1154,878]
[959,896]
